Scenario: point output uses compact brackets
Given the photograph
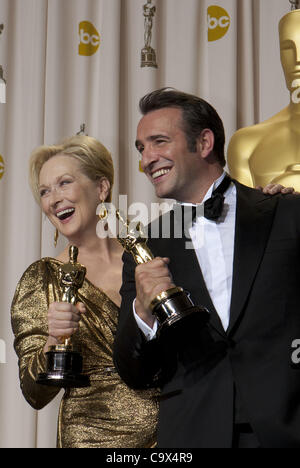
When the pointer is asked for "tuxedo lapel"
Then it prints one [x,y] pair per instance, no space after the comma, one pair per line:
[254,217]
[191,275]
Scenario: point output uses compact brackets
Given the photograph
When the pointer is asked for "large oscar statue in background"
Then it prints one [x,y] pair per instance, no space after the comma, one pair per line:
[270,151]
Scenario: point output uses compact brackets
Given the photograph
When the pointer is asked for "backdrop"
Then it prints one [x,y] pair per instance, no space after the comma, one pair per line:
[72,61]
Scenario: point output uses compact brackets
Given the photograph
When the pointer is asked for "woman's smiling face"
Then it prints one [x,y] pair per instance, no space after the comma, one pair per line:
[68,197]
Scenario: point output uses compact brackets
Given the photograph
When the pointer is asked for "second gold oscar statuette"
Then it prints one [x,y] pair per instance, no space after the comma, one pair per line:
[171,307]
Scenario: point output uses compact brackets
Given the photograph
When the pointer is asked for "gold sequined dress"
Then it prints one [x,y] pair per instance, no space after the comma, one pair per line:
[106,414]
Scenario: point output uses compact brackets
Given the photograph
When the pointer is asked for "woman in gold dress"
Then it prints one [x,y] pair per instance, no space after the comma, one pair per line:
[69,181]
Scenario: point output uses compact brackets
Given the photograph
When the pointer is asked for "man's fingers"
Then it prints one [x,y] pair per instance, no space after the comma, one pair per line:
[288,190]
[156,263]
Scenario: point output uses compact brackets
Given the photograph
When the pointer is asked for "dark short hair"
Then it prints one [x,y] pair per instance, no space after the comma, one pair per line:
[197,115]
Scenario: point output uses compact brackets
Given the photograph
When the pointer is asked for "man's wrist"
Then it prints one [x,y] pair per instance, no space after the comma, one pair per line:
[144,315]
[149,332]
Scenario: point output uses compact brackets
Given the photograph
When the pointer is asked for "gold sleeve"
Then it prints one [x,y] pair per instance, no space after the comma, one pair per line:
[29,310]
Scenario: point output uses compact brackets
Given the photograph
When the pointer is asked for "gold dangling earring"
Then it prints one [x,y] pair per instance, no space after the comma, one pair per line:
[103,213]
[56,234]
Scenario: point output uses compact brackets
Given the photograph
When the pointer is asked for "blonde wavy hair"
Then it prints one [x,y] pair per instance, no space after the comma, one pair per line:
[95,160]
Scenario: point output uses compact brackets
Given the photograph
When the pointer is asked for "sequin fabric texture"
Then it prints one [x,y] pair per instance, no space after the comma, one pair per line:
[108,413]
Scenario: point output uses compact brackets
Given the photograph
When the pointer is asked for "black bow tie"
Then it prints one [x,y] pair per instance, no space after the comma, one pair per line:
[213,207]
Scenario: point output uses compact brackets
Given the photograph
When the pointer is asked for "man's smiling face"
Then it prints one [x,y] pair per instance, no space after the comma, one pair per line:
[166,160]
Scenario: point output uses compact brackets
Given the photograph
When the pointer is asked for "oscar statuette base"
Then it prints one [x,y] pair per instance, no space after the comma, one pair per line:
[174,309]
[148,58]
[64,368]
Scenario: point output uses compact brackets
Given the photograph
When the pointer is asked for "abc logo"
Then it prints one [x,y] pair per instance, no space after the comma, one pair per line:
[1,167]
[218,22]
[89,39]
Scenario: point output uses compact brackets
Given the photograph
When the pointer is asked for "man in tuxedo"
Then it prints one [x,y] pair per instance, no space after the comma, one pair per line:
[229,383]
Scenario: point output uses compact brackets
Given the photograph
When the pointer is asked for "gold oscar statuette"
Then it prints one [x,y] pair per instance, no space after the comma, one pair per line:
[171,307]
[64,360]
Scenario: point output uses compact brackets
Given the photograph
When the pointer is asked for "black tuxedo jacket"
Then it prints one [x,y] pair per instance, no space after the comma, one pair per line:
[199,393]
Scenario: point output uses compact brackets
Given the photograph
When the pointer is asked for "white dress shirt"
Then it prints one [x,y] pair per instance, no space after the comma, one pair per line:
[213,242]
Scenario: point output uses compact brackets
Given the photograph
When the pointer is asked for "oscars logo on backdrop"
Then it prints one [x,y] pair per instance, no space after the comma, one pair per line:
[218,22]
[89,39]
[1,167]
